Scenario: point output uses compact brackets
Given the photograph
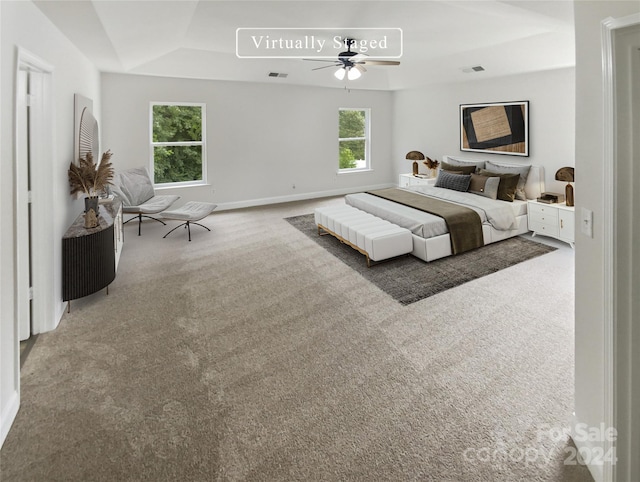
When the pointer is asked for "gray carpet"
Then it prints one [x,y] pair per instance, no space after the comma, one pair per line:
[408,279]
[249,354]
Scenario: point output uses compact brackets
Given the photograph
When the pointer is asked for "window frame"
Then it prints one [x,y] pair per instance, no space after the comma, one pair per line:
[202,143]
[366,138]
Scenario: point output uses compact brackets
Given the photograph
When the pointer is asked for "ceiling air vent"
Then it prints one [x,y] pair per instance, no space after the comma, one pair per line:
[278,74]
[477,68]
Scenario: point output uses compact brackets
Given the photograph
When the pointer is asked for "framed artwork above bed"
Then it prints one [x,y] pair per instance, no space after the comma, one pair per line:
[497,128]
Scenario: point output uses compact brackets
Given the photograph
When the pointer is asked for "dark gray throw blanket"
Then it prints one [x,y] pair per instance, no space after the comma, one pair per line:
[464,224]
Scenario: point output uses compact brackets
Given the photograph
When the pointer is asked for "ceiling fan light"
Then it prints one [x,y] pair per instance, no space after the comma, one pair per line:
[353,74]
[339,74]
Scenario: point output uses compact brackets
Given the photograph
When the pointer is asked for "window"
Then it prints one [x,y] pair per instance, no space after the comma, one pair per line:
[353,139]
[178,143]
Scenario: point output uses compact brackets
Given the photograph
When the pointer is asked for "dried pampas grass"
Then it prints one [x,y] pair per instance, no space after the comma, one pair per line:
[87,177]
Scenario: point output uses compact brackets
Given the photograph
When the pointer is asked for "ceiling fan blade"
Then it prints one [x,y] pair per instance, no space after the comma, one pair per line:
[380,62]
[320,60]
[360,67]
[326,66]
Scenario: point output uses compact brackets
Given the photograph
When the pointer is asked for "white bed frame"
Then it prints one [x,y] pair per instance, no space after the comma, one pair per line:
[430,249]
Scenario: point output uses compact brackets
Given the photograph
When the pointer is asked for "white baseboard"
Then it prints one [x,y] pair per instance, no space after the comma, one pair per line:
[62,308]
[8,416]
[298,197]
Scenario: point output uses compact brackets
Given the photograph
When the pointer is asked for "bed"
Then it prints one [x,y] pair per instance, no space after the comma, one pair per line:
[499,219]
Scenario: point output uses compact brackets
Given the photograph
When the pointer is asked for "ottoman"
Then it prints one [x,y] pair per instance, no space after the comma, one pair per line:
[189,213]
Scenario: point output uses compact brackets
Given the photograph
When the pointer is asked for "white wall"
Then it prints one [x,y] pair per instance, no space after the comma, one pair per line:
[261,139]
[590,362]
[23,25]
[428,119]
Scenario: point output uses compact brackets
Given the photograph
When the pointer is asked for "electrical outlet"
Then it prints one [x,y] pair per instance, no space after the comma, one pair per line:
[586,222]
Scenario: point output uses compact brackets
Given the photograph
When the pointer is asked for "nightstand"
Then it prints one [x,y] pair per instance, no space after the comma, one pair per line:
[411,180]
[553,220]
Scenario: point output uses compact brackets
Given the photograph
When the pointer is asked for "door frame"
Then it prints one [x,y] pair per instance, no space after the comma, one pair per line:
[620,381]
[42,153]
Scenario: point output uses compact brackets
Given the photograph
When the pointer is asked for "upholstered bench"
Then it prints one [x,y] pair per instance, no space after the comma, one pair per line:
[189,213]
[376,238]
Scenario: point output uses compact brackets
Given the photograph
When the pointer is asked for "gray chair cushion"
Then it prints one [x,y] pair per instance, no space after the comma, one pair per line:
[133,186]
[153,205]
[192,211]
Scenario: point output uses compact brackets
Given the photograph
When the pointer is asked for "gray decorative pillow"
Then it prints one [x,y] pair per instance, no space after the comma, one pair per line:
[456,182]
[523,171]
[507,186]
[459,162]
[484,185]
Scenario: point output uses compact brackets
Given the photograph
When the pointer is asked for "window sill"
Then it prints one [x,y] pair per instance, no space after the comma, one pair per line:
[163,187]
[353,171]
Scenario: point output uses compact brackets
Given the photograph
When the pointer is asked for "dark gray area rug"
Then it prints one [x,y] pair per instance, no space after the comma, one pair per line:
[408,279]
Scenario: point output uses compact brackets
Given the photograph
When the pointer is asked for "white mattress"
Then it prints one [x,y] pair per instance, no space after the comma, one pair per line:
[418,222]
[519,207]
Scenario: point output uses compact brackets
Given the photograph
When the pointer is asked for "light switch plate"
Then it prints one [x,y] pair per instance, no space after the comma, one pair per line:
[586,222]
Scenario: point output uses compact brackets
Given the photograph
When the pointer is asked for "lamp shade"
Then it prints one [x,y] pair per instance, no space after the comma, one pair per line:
[339,74]
[415,156]
[565,174]
[353,74]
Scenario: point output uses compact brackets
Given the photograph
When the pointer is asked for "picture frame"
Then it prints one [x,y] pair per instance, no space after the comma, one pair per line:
[496,128]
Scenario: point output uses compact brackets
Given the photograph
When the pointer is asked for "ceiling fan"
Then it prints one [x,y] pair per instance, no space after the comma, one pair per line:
[350,63]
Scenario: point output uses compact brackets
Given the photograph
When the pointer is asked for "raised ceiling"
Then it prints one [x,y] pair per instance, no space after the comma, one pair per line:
[197,39]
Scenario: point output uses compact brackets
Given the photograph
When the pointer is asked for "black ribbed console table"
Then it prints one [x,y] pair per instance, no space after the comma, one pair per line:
[90,255]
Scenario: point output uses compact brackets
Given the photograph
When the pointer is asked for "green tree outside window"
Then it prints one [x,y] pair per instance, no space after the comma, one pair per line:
[352,133]
[177,143]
